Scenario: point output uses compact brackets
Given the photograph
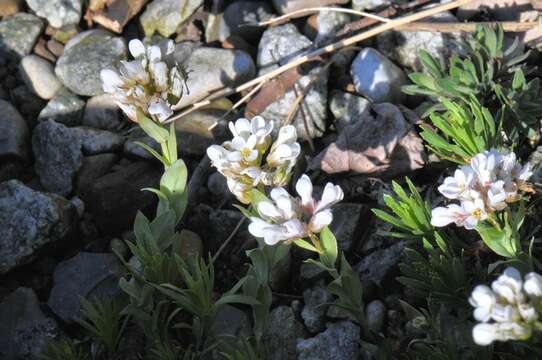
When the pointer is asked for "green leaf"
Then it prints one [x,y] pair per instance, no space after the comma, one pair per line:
[304,244]
[329,247]
[236,299]
[152,129]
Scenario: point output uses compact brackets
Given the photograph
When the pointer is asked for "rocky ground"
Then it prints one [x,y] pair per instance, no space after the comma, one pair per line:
[71,171]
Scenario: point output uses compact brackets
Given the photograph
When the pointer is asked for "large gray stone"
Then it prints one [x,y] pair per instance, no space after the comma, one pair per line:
[102,112]
[94,167]
[58,12]
[96,141]
[329,22]
[239,16]
[287,6]
[377,78]
[86,275]
[24,329]
[378,265]
[231,323]
[375,313]
[165,16]
[18,34]
[57,151]
[280,44]
[85,55]
[65,107]
[30,220]
[38,74]
[348,108]
[14,134]
[316,300]
[212,69]
[281,334]
[339,342]
[362,5]
[346,225]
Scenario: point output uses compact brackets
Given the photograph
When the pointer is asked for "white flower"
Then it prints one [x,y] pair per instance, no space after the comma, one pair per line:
[508,286]
[458,186]
[468,214]
[285,148]
[533,285]
[150,83]
[496,196]
[484,334]
[285,218]
[483,299]
[484,166]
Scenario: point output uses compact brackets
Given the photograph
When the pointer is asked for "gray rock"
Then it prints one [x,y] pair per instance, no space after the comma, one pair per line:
[314,311]
[14,134]
[287,6]
[346,223]
[38,74]
[101,112]
[212,69]
[58,12]
[165,16]
[329,22]
[65,107]
[362,5]
[115,198]
[19,33]
[30,220]
[57,151]
[95,141]
[281,334]
[404,46]
[238,17]
[377,265]
[339,342]
[87,275]
[348,108]
[375,313]
[194,135]
[310,272]
[218,186]
[24,329]
[377,78]
[94,167]
[282,44]
[85,55]
[231,322]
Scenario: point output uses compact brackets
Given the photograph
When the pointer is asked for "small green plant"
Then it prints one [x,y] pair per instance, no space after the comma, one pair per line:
[65,349]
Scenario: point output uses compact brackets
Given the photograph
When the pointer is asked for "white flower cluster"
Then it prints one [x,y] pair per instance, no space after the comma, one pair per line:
[151,83]
[512,305]
[491,182]
[250,159]
[286,218]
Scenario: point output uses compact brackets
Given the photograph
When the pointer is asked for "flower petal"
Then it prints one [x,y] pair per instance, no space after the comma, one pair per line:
[303,187]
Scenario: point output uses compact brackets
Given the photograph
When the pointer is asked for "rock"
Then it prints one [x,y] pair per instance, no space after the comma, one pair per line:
[95,141]
[382,145]
[404,46]
[10,7]
[65,107]
[218,186]
[194,135]
[14,134]
[85,55]
[115,14]
[166,16]
[314,311]
[231,322]
[239,16]
[30,220]
[377,78]
[86,275]
[57,151]
[281,44]
[115,198]
[191,244]
[346,224]
[281,334]
[375,313]
[328,24]
[348,108]
[79,205]
[377,265]
[39,76]
[501,10]
[65,33]
[310,272]
[287,6]
[212,69]
[24,329]
[58,12]
[339,342]
[102,112]
[362,5]
[94,167]
[18,34]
